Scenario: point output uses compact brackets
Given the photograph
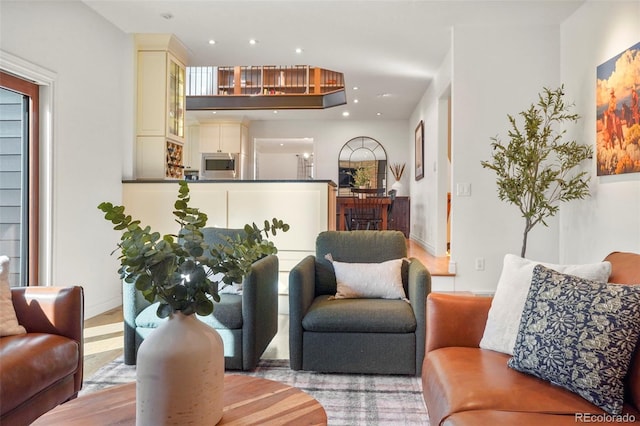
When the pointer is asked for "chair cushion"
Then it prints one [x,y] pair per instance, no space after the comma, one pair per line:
[467,379]
[361,246]
[359,316]
[227,314]
[33,362]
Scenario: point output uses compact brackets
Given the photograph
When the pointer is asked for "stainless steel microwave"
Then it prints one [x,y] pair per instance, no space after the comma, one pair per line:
[216,165]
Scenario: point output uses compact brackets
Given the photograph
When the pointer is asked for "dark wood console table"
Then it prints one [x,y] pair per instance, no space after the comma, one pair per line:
[399,220]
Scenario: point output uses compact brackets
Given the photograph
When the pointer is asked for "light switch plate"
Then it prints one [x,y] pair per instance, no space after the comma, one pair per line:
[463,190]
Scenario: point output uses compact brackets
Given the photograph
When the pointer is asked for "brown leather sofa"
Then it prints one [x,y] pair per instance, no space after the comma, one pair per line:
[42,368]
[466,385]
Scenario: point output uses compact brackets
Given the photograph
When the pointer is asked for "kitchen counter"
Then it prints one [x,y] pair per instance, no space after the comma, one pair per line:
[308,206]
[327,181]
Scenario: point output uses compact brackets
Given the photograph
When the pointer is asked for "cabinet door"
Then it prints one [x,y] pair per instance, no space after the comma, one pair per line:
[150,157]
[230,136]
[151,85]
[209,139]
[176,98]
[400,216]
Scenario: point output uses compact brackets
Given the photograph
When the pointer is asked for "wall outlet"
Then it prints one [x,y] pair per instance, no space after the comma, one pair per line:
[479,263]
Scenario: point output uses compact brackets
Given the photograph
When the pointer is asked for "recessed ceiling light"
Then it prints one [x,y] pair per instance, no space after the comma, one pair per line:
[275,111]
[212,41]
[378,113]
[384,95]
[355,101]
[298,50]
[253,41]
[345,114]
[214,112]
[355,87]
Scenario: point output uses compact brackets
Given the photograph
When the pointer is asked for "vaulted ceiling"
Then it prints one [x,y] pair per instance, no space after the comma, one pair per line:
[390,50]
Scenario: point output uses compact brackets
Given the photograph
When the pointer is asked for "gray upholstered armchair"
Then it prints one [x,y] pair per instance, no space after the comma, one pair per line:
[379,336]
[246,322]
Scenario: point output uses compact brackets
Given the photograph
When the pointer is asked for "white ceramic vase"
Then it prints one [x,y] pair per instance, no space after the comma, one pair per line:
[180,374]
[398,187]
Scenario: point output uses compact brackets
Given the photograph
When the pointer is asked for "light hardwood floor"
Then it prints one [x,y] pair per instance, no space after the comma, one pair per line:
[103,334]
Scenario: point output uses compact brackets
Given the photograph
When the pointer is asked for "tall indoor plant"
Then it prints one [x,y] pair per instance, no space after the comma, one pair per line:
[535,169]
[181,364]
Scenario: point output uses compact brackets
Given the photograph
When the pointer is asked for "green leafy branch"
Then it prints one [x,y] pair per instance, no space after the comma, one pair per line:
[177,269]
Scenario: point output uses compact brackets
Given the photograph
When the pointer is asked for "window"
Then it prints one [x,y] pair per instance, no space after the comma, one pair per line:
[19,177]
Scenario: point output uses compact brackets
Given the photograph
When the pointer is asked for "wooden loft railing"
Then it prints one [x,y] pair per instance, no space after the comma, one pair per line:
[263,87]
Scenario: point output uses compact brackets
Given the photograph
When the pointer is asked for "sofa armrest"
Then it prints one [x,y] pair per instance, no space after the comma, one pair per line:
[419,285]
[259,309]
[455,320]
[302,285]
[53,310]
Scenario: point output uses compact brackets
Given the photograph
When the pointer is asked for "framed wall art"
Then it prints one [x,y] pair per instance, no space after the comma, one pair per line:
[618,114]
[419,148]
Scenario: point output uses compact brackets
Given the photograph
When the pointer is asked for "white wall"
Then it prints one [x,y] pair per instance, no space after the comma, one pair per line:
[496,71]
[429,195]
[492,71]
[277,166]
[92,116]
[610,219]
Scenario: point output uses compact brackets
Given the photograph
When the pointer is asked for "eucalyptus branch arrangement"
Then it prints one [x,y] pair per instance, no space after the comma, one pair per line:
[179,270]
[535,169]
[397,170]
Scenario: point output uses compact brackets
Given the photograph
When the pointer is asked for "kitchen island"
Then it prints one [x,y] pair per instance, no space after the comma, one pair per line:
[308,206]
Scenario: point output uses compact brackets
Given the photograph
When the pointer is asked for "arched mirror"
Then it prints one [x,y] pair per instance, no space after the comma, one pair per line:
[362,153]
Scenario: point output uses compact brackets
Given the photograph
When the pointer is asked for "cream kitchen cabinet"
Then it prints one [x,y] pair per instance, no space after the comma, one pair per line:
[160,95]
[160,106]
[222,137]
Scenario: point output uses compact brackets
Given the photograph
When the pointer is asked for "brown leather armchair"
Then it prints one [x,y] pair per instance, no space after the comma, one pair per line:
[42,368]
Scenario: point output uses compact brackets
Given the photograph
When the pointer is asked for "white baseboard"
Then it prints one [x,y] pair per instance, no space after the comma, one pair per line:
[101,308]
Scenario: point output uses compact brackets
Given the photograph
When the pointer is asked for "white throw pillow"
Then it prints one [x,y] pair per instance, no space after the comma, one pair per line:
[505,313]
[8,320]
[369,280]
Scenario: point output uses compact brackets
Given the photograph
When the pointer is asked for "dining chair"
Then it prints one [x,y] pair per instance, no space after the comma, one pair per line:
[366,213]
[392,197]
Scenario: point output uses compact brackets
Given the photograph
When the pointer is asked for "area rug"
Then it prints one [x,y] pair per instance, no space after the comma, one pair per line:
[348,399]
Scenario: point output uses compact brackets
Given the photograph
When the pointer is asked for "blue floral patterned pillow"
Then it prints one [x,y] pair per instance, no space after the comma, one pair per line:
[579,334]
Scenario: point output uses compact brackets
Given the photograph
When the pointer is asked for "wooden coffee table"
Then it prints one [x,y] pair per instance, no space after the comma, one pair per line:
[247,401]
